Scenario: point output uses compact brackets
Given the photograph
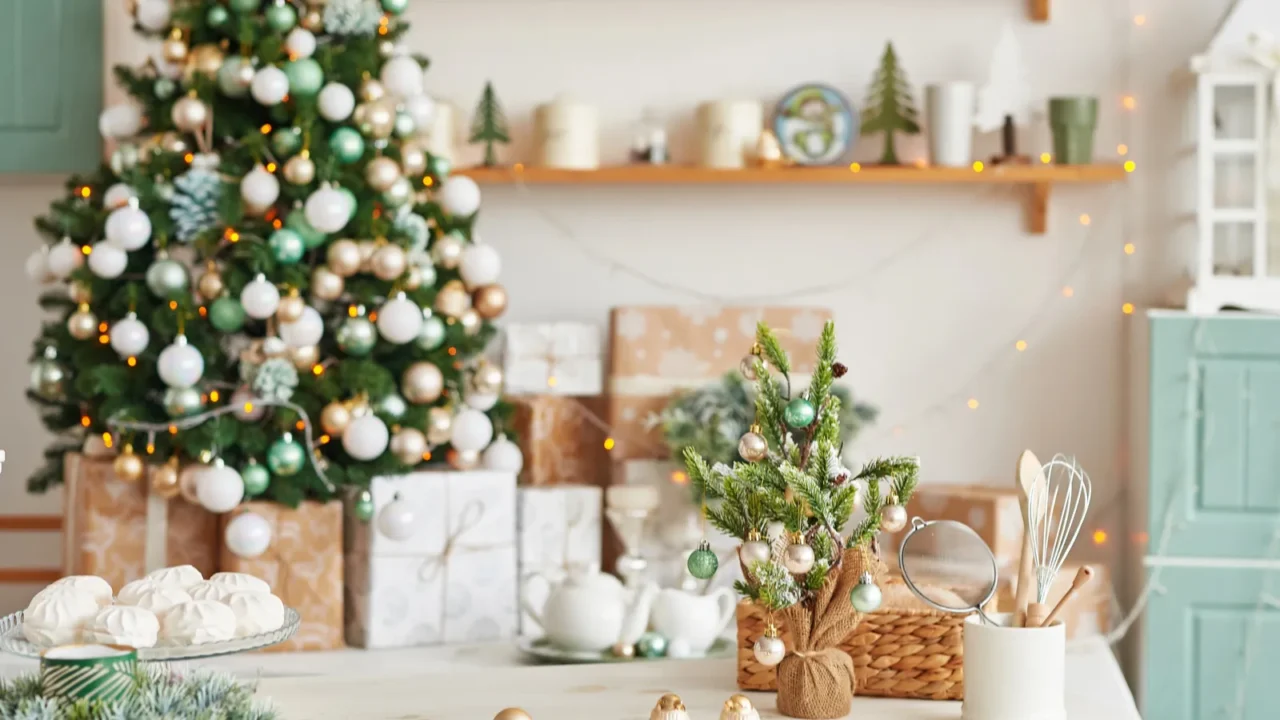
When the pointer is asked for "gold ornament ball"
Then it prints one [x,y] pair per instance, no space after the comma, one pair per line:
[304,358]
[753,447]
[439,425]
[326,284]
[381,173]
[211,285]
[447,251]
[453,299]
[190,114]
[487,378]
[408,445]
[335,417]
[421,383]
[205,59]
[367,248]
[623,650]
[512,714]
[798,558]
[300,170]
[291,307]
[413,159]
[82,324]
[313,20]
[463,459]
[893,518]
[388,262]
[738,703]
[378,119]
[79,293]
[470,321]
[164,481]
[490,301]
[174,49]
[670,701]
[128,466]
[344,258]
[372,91]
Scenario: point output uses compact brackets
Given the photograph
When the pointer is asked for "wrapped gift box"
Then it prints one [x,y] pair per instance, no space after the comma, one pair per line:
[656,351]
[1088,615]
[559,530]
[993,512]
[120,531]
[303,566]
[562,358]
[453,580]
[563,440]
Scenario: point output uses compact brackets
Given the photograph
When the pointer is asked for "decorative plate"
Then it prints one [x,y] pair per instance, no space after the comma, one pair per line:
[12,641]
[815,124]
[541,650]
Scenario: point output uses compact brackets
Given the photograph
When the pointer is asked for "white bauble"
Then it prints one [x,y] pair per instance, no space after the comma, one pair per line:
[219,488]
[402,76]
[153,15]
[480,265]
[459,195]
[38,265]
[396,520]
[248,535]
[180,364]
[269,85]
[259,298]
[300,43]
[422,109]
[336,102]
[399,320]
[129,337]
[482,401]
[503,455]
[328,210]
[305,331]
[259,189]
[244,398]
[64,258]
[107,260]
[366,437]
[120,121]
[128,228]
[118,195]
[472,430]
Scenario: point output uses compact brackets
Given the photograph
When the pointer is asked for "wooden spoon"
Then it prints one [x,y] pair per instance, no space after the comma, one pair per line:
[1083,576]
[1029,469]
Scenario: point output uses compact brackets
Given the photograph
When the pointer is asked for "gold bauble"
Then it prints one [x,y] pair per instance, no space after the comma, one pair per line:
[290,307]
[463,459]
[381,173]
[128,466]
[490,301]
[205,59]
[164,481]
[670,701]
[738,703]
[174,49]
[487,378]
[372,91]
[439,425]
[190,113]
[367,248]
[334,418]
[305,357]
[79,293]
[379,119]
[211,284]
[344,258]
[512,714]
[388,262]
[313,20]
[453,299]
[408,445]
[300,169]
[422,382]
[326,284]
[470,321]
[82,324]
[447,251]
[413,158]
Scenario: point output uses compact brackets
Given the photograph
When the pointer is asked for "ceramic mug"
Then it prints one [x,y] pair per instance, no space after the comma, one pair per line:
[691,622]
[1013,673]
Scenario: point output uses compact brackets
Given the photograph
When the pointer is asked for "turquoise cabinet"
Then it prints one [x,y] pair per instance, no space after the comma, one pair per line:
[51,78]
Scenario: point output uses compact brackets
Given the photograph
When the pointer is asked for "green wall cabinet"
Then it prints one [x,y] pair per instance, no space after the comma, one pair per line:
[51,78]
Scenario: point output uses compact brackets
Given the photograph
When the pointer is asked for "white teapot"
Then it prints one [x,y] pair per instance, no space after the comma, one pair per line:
[692,622]
[588,611]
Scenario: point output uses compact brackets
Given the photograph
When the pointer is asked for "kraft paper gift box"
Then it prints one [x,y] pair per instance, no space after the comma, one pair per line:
[559,530]
[993,512]
[303,566]
[1088,615]
[120,531]
[563,440]
[657,351]
[454,580]
[562,358]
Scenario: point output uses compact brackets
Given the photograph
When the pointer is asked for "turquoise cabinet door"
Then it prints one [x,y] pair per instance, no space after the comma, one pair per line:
[1215,434]
[50,85]
[1201,632]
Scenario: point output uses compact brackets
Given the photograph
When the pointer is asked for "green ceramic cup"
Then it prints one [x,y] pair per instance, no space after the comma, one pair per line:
[1074,121]
[88,672]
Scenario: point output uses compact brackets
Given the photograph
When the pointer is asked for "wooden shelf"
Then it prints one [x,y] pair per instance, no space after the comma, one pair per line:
[1038,180]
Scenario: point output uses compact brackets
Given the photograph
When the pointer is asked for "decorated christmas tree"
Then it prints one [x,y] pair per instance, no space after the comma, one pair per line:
[890,107]
[271,275]
[789,504]
[489,125]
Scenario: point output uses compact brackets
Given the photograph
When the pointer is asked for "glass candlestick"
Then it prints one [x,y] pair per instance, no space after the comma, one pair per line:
[628,509]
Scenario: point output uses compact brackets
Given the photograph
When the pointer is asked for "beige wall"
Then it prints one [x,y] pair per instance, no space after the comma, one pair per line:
[957,279]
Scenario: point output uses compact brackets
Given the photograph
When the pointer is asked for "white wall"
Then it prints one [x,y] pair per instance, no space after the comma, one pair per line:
[935,281]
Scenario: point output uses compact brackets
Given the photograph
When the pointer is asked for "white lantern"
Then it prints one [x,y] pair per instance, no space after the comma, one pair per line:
[336,102]
[180,364]
[128,228]
[402,76]
[269,85]
[64,259]
[248,535]
[305,331]
[259,298]
[399,320]
[459,195]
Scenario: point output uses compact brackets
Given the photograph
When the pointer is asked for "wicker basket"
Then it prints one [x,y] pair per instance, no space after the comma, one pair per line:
[903,650]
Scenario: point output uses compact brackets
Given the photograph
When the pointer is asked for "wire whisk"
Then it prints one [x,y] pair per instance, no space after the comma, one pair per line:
[1057,503]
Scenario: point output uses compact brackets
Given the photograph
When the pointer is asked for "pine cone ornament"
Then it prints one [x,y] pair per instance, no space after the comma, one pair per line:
[839,369]
[194,207]
[274,379]
[352,17]
[415,227]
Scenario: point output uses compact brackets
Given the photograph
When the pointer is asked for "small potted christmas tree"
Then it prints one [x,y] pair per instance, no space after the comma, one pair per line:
[789,504]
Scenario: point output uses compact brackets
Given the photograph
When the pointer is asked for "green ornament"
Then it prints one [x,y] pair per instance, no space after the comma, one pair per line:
[357,336]
[226,314]
[256,478]
[866,596]
[217,16]
[305,77]
[164,88]
[286,456]
[347,145]
[431,336]
[229,80]
[799,413]
[286,141]
[48,376]
[651,645]
[439,168]
[405,126]
[703,562]
[167,278]
[287,246]
[364,506]
[297,222]
[281,17]
[245,6]
[392,406]
[180,402]
[395,7]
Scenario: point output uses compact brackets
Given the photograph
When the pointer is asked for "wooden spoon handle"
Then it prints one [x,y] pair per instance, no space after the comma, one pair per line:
[1083,576]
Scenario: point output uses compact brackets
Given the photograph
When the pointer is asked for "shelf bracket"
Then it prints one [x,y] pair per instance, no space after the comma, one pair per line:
[1039,10]
[1038,208]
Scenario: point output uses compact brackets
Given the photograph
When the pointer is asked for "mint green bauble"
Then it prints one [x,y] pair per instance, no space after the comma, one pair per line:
[703,563]
[167,278]
[392,406]
[281,17]
[357,336]
[226,315]
[286,141]
[256,478]
[305,77]
[431,336]
[439,168]
[180,402]
[347,145]
[395,7]
[286,456]
[244,6]
[164,88]
[297,222]
[799,413]
[217,16]
[351,200]
[287,246]
[232,76]
[363,507]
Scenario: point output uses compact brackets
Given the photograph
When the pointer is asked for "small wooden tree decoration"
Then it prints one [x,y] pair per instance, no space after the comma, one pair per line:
[489,126]
[1004,101]
[890,107]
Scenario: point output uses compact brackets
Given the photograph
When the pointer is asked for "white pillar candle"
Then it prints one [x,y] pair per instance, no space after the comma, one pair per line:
[728,131]
[568,134]
[442,131]
[950,108]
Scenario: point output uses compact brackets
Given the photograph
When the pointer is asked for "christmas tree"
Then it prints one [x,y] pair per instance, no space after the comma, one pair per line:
[489,126]
[789,504]
[890,107]
[270,263]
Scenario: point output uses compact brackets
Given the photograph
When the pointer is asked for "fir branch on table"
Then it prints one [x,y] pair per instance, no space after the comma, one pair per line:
[158,694]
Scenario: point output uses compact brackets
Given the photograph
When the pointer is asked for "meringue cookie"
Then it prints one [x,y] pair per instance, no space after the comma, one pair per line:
[124,625]
[159,599]
[209,590]
[240,581]
[256,612]
[198,622]
[92,584]
[59,616]
[131,592]
[184,576]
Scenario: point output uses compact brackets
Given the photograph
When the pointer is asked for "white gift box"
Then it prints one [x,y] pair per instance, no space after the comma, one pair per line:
[563,358]
[453,581]
[559,529]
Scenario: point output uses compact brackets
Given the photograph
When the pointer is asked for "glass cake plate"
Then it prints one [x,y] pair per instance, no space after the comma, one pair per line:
[12,641]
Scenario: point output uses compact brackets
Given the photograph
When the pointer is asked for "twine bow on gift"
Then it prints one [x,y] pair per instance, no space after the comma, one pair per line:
[435,565]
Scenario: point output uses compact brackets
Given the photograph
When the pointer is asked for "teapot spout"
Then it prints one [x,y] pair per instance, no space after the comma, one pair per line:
[637,619]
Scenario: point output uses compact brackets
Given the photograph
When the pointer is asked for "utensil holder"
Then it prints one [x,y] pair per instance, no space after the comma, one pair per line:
[1074,121]
[1013,673]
